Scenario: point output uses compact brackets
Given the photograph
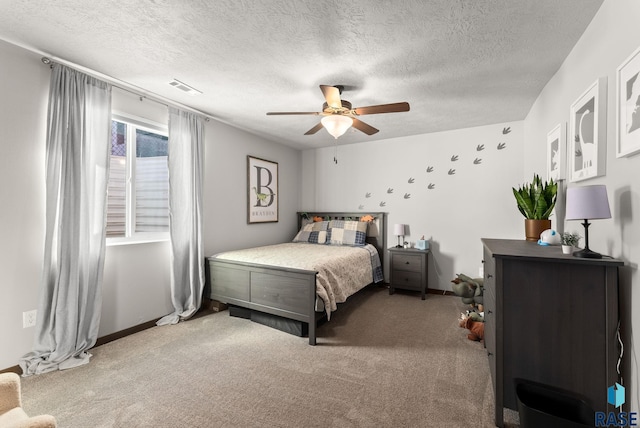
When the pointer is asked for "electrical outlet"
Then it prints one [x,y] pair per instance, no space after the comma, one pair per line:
[29,318]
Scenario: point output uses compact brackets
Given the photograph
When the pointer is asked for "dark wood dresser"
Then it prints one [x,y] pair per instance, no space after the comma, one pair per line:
[549,318]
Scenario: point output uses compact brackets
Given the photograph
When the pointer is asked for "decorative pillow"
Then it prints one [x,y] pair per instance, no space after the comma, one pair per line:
[342,232]
[315,233]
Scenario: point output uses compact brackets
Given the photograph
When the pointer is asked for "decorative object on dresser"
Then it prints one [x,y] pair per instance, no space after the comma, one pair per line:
[301,282]
[535,202]
[409,270]
[587,203]
[399,231]
[569,242]
[571,342]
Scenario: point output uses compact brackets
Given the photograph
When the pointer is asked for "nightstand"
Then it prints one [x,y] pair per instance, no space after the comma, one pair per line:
[408,270]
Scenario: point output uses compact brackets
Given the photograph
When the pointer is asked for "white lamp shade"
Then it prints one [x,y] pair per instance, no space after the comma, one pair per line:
[587,203]
[336,124]
[398,229]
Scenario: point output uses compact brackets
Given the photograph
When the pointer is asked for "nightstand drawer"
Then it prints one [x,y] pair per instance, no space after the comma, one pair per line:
[407,262]
[407,280]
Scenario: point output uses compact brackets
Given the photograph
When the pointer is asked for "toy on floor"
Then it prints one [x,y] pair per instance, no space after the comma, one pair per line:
[473,314]
[469,289]
[476,328]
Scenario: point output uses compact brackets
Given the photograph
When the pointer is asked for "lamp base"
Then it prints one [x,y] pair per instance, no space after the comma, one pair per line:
[587,254]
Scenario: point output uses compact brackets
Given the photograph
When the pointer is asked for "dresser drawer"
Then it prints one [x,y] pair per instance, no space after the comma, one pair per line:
[407,262]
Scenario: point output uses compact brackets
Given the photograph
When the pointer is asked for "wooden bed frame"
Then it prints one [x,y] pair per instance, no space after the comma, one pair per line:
[285,292]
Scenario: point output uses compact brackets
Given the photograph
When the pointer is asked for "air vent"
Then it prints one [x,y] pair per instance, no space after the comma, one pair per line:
[184,87]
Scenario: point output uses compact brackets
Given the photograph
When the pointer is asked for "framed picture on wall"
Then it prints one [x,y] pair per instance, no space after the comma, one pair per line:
[628,106]
[587,132]
[262,190]
[556,152]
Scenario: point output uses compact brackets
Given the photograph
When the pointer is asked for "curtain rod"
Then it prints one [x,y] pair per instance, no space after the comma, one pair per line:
[127,87]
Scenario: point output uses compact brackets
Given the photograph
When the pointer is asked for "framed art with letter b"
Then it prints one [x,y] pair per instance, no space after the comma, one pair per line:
[262,196]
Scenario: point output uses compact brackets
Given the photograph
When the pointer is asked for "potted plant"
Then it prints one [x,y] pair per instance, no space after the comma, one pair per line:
[569,241]
[536,201]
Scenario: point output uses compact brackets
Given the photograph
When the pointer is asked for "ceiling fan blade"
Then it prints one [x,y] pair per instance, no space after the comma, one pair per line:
[280,113]
[383,108]
[314,129]
[361,126]
[332,95]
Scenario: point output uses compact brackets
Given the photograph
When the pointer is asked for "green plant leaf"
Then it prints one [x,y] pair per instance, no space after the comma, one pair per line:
[536,200]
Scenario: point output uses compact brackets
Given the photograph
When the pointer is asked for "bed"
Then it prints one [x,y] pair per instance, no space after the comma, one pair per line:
[333,256]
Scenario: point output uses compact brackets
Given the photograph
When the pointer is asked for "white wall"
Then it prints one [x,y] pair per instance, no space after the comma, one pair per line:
[136,278]
[474,202]
[23,81]
[225,192]
[612,36]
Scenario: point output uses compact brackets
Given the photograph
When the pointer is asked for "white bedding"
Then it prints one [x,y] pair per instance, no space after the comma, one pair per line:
[342,270]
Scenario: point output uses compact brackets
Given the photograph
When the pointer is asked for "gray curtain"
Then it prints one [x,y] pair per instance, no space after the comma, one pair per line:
[186,139]
[77,168]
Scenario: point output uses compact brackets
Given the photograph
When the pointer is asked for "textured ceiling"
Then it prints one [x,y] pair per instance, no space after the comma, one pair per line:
[459,63]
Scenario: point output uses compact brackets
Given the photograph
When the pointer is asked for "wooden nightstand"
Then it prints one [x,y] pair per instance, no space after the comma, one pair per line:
[408,270]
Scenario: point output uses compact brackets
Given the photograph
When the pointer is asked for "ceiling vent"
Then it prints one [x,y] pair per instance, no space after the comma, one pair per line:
[184,87]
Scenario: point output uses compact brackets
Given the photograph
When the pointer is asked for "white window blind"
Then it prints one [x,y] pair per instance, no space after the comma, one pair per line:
[138,198]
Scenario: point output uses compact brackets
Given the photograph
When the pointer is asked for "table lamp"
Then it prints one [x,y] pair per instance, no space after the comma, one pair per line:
[398,230]
[587,203]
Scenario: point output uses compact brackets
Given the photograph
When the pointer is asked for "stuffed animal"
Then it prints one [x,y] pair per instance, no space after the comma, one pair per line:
[368,218]
[549,237]
[475,316]
[476,329]
[469,289]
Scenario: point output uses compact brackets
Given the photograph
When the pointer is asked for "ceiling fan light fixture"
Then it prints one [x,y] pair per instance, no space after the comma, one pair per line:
[336,124]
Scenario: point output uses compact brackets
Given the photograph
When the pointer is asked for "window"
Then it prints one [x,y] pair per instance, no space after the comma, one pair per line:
[138,191]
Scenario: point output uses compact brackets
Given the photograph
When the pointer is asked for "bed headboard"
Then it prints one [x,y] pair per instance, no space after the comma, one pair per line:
[376,232]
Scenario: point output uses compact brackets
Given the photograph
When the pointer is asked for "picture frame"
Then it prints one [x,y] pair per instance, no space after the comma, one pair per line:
[556,152]
[587,132]
[628,106]
[262,190]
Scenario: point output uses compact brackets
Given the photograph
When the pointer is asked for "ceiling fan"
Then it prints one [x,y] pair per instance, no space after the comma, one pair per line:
[339,115]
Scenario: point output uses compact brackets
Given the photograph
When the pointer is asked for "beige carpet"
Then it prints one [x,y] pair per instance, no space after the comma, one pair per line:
[382,361]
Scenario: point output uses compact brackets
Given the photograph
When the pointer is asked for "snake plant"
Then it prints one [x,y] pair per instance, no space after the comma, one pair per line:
[536,199]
